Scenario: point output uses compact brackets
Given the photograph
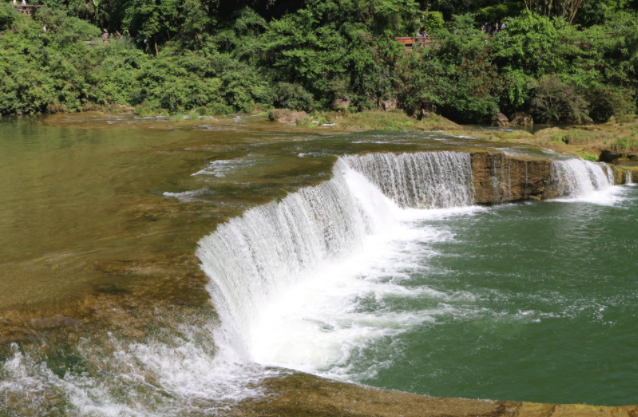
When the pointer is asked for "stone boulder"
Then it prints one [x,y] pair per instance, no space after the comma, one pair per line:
[521,119]
[500,120]
[286,116]
[341,103]
[390,104]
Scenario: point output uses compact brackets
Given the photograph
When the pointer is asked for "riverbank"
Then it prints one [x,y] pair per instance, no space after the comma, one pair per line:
[614,142]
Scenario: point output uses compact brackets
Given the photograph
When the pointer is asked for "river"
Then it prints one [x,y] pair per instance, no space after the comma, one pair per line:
[157,268]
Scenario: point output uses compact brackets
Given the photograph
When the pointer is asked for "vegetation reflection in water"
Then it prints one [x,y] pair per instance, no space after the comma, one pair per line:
[527,301]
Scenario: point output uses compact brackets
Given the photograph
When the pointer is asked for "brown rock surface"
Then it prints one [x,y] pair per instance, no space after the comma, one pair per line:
[304,395]
[286,116]
[341,103]
[521,119]
[499,119]
[500,178]
[390,104]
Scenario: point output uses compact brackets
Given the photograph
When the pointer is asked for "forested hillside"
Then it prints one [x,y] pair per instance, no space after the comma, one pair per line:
[560,61]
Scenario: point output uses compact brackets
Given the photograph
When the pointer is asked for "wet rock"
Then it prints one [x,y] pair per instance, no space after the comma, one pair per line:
[341,103]
[286,116]
[500,178]
[390,104]
[521,119]
[499,119]
[622,172]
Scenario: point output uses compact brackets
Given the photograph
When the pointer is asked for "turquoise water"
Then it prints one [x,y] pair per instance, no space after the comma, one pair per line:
[540,304]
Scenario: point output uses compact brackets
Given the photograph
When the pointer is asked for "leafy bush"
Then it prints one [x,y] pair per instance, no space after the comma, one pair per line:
[432,21]
[8,16]
[292,96]
[555,101]
[625,145]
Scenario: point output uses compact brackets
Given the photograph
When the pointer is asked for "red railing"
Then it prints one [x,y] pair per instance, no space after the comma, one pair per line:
[415,41]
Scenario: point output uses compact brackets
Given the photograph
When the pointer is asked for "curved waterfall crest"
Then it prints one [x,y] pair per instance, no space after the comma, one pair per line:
[253,259]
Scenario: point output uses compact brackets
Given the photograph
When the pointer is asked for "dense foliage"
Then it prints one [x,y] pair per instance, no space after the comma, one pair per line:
[181,55]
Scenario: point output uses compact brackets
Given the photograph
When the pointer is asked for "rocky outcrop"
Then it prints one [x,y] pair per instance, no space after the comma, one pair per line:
[521,119]
[390,104]
[341,103]
[500,178]
[500,120]
[622,173]
[307,395]
[286,116]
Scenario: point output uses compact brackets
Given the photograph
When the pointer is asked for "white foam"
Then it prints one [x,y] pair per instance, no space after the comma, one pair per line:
[223,167]
[421,179]
[577,180]
[188,195]
[288,278]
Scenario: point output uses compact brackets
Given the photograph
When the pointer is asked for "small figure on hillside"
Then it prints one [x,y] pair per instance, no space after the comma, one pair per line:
[105,36]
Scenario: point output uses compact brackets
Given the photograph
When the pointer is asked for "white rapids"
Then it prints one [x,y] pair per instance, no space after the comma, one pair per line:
[286,276]
[581,180]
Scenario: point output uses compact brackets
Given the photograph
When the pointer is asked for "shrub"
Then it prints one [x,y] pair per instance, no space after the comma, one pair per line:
[8,16]
[589,157]
[432,21]
[293,97]
[220,108]
[625,145]
[607,101]
[555,101]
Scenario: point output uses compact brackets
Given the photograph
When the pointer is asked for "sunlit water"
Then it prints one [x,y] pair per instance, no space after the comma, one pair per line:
[528,301]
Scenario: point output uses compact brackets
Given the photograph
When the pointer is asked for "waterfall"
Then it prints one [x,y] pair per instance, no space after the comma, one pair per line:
[252,260]
[576,177]
[628,179]
[419,180]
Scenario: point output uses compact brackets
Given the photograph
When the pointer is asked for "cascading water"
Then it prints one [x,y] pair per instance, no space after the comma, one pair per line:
[577,178]
[419,180]
[628,179]
[255,261]
[254,258]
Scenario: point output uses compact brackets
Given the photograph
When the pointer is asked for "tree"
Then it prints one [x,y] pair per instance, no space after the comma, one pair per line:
[563,8]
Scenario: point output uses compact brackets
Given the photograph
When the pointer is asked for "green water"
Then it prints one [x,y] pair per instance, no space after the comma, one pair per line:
[546,307]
